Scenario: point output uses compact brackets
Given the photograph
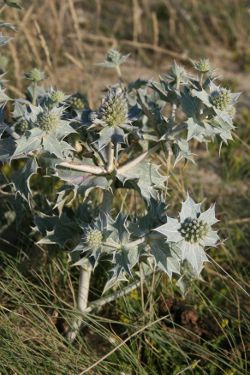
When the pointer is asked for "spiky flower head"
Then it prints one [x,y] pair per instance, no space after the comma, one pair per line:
[35,75]
[78,102]
[48,120]
[114,109]
[191,232]
[57,96]
[202,65]
[221,99]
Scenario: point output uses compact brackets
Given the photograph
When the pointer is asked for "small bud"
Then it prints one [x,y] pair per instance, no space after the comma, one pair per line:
[35,75]
[202,65]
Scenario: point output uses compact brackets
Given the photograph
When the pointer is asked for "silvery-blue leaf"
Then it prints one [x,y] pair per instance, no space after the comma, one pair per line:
[203,96]
[146,177]
[181,151]
[22,178]
[65,232]
[26,145]
[113,281]
[45,223]
[63,130]
[155,214]
[195,129]
[160,90]
[164,258]
[189,104]
[119,229]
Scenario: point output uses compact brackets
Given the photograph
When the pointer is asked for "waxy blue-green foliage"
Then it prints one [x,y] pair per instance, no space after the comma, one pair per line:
[60,136]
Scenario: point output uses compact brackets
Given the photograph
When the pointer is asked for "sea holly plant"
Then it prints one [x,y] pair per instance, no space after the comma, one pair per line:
[89,154]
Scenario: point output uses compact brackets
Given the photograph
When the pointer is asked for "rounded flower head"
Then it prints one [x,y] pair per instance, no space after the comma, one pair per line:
[114,108]
[191,232]
[221,99]
[93,238]
[57,96]
[202,65]
[35,75]
[48,121]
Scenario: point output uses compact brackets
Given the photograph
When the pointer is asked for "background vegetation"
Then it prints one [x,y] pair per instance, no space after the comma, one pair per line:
[155,330]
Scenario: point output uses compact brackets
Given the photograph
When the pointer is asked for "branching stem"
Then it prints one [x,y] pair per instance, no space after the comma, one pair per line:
[83,168]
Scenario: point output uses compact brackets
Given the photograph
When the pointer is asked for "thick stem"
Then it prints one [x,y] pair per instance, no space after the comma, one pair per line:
[82,301]
[83,168]
[111,153]
[83,291]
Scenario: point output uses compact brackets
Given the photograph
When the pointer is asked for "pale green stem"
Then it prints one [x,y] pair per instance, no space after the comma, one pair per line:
[93,169]
[131,164]
[34,88]
[82,301]
[111,153]
[118,70]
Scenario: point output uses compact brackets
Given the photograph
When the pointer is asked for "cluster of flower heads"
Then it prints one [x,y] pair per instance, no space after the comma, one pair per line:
[168,114]
[180,242]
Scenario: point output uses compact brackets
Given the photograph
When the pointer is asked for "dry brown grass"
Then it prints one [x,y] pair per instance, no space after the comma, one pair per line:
[67,37]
